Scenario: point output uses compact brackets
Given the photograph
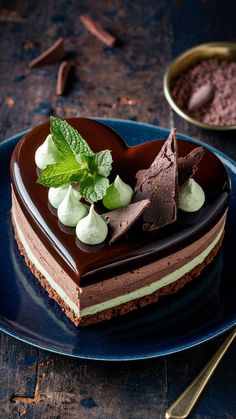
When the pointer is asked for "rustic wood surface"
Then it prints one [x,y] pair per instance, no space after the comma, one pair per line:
[37,384]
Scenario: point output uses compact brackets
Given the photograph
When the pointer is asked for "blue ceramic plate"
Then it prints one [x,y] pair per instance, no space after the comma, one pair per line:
[204,309]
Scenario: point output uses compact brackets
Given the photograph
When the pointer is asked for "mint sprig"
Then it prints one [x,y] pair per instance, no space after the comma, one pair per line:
[79,163]
[67,138]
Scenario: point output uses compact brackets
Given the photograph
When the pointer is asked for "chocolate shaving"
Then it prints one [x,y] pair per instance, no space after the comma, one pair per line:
[159,184]
[107,105]
[123,218]
[9,102]
[62,77]
[53,54]
[28,45]
[97,30]
[188,165]
[7,15]
[28,400]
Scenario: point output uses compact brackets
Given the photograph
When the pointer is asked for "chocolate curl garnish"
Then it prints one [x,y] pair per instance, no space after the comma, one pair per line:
[62,77]
[159,184]
[188,165]
[53,54]
[97,30]
[122,219]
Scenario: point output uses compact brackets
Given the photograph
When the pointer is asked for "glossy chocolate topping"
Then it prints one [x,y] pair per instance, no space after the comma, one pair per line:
[135,248]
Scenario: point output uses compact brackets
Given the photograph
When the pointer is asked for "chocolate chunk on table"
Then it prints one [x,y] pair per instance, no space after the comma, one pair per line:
[52,55]
[97,30]
[62,77]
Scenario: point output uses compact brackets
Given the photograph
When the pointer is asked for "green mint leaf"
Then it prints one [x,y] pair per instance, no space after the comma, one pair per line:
[60,173]
[101,163]
[67,138]
[58,137]
[93,187]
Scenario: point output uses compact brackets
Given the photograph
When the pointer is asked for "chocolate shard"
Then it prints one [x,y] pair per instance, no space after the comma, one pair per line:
[52,55]
[139,176]
[123,218]
[97,30]
[62,77]
[159,184]
[188,165]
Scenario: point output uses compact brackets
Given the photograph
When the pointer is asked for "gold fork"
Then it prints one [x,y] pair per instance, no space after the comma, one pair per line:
[181,408]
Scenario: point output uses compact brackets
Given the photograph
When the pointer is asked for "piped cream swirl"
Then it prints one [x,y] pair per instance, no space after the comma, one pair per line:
[47,153]
[118,194]
[71,210]
[191,196]
[92,229]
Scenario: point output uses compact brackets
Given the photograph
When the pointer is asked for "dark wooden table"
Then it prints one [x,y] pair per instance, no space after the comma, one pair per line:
[152,33]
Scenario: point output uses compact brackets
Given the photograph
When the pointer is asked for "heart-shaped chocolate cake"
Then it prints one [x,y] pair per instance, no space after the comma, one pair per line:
[139,236]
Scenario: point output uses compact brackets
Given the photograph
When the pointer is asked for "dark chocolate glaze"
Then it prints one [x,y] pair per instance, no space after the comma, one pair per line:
[135,248]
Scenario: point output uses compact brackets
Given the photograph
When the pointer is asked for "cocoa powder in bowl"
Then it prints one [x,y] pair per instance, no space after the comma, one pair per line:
[207,92]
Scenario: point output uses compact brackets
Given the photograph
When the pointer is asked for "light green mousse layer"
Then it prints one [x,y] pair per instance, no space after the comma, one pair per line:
[141,292]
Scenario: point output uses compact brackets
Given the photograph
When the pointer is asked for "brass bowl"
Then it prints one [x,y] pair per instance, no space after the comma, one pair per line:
[221,50]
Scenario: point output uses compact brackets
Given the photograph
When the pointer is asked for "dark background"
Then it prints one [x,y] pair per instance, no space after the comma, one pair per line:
[152,33]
